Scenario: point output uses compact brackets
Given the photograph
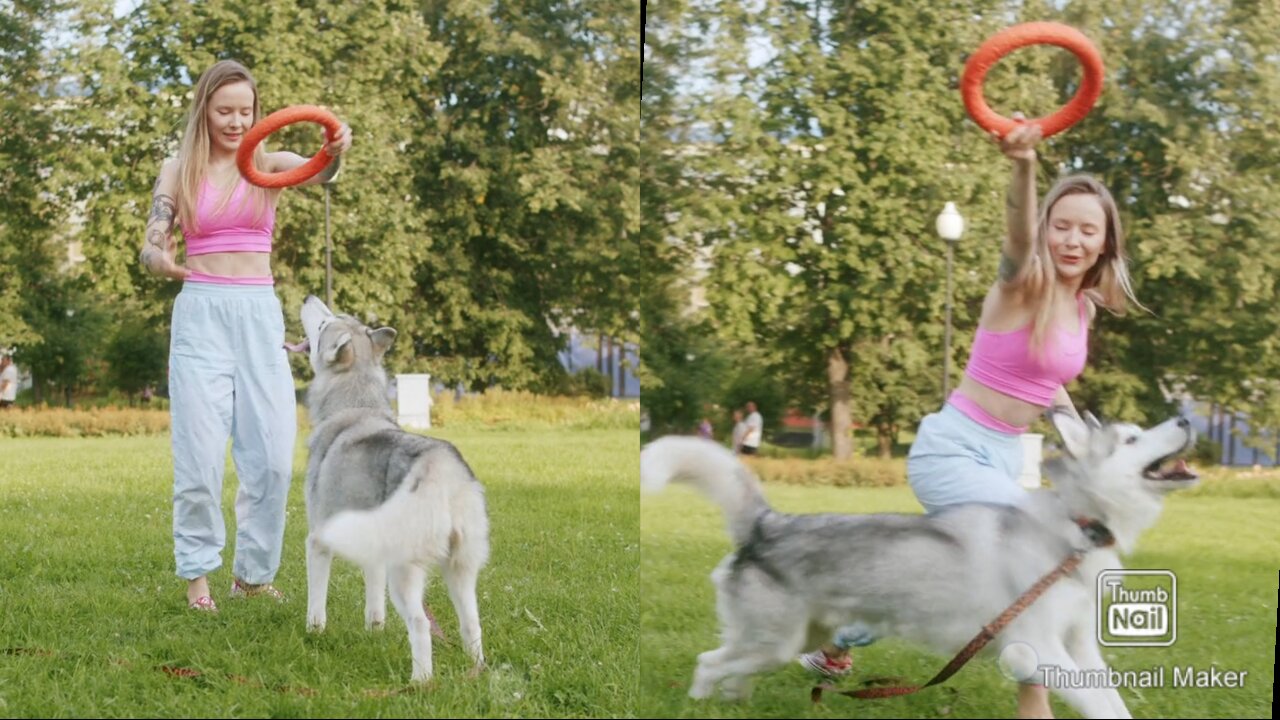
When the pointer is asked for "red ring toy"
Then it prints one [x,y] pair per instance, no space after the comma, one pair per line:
[1033,33]
[272,123]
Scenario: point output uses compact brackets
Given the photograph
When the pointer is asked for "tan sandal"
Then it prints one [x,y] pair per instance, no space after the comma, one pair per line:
[245,590]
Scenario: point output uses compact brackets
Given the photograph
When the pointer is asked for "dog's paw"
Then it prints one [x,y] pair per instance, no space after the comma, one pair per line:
[700,691]
[315,624]
[375,625]
[735,690]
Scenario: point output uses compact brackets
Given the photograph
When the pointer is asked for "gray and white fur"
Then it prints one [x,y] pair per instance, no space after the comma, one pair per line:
[793,580]
[393,502]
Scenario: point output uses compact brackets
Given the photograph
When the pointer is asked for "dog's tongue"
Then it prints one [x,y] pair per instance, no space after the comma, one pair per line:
[304,346]
[1177,471]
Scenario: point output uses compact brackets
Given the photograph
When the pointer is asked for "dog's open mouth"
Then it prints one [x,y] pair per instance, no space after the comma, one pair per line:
[1169,468]
[304,346]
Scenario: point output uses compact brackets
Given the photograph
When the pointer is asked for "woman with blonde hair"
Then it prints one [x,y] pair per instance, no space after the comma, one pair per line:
[1060,261]
[228,375]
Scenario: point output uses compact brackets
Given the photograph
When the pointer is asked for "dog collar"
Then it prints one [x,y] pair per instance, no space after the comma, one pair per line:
[1097,533]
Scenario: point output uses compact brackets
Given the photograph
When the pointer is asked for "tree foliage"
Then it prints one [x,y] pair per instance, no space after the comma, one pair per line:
[489,201]
[820,140]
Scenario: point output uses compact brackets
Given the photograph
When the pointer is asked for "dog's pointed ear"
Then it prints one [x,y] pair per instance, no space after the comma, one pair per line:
[1091,421]
[340,349]
[382,339]
[1074,433]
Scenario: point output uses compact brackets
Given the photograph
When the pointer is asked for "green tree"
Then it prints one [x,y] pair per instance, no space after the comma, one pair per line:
[1184,136]
[490,197]
[528,154]
[821,138]
[827,165]
[70,321]
[28,139]
[136,356]
[676,378]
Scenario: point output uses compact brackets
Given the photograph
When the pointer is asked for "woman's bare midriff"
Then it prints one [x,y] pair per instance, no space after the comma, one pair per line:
[1011,410]
[232,264]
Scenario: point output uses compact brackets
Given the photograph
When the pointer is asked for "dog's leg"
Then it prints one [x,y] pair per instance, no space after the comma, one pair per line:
[764,647]
[731,667]
[705,675]
[762,627]
[1066,680]
[319,560]
[375,596]
[460,578]
[1084,650]
[407,585]
[736,687]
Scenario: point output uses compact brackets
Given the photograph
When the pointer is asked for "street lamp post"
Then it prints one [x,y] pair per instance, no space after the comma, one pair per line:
[950,227]
[328,243]
[328,252]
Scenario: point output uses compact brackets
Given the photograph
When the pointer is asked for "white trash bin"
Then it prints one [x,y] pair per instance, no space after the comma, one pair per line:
[413,401]
[1032,450]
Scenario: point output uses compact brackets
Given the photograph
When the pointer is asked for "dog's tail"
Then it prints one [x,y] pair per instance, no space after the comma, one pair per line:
[431,519]
[712,469]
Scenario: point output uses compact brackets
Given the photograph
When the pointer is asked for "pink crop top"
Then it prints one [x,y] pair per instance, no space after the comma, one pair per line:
[232,230]
[1003,360]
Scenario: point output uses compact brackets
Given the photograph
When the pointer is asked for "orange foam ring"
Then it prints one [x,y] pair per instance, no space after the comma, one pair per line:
[272,123]
[1033,33]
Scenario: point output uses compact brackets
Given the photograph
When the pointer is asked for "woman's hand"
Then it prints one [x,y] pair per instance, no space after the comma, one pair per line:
[339,144]
[1020,143]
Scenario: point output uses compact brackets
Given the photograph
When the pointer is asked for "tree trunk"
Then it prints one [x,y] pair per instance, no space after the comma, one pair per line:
[36,396]
[886,437]
[66,390]
[1220,423]
[608,353]
[1231,438]
[622,369]
[841,409]
[1213,420]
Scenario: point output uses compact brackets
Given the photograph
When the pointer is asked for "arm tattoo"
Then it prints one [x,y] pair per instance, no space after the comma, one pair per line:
[162,210]
[152,255]
[156,239]
[159,226]
[1008,268]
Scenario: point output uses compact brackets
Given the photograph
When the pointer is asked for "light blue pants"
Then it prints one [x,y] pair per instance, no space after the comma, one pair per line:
[956,459]
[229,377]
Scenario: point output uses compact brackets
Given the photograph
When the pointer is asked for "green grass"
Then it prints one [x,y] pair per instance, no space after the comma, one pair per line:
[91,612]
[1222,549]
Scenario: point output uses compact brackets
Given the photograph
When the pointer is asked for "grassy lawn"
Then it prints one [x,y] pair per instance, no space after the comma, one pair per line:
[1220,541]
[93,620]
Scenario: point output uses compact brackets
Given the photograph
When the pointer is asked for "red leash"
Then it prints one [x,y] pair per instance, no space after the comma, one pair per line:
[1095,531]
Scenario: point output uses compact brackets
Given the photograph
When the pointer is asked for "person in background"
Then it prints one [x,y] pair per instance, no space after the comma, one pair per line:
[755,430]
[8,382]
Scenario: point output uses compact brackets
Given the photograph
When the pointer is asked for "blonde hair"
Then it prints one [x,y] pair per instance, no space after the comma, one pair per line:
[1107,283]
[193,155]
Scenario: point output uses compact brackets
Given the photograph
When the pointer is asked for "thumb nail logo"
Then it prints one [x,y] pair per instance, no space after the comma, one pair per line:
[1137,608]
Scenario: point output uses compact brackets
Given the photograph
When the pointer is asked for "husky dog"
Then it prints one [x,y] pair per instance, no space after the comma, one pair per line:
[392,502]
[792,580]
